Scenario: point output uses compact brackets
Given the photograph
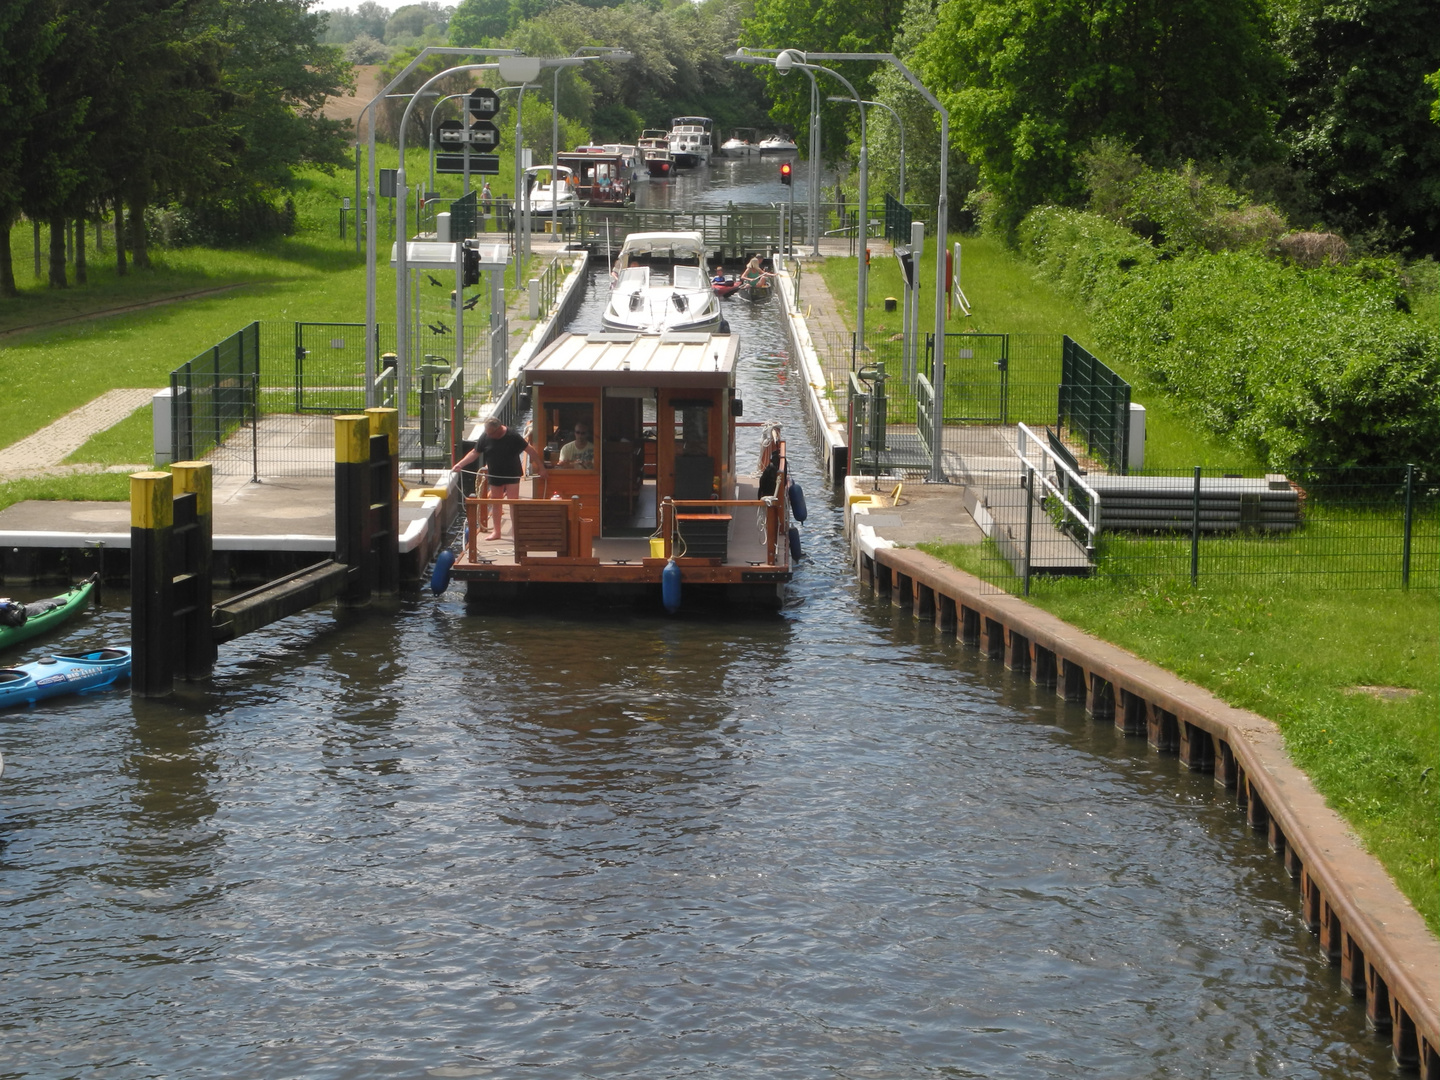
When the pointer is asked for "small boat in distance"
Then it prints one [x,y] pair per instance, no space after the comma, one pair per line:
[691,142]
[549,196]
[654,147]
[63,673]
[659,284]
[20,622]
[778,143]
[740,144]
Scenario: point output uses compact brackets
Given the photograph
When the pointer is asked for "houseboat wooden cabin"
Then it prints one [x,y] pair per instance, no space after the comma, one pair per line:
[638,432]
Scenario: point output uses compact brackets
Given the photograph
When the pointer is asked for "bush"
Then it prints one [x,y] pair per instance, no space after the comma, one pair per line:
[220,222]
[1316,369]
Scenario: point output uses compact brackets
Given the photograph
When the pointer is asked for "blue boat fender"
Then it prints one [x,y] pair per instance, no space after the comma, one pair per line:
[670,586]
[440,576]
[794,543]
[797,503]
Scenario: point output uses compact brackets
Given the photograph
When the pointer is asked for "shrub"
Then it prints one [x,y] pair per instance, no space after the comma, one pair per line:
[1317,369]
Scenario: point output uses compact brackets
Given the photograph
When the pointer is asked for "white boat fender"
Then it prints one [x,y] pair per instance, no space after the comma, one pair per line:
[440,576]
[797,503]
[794,543]
[670,586]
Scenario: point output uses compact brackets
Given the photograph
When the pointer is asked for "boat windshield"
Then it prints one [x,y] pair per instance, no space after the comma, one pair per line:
[689,277]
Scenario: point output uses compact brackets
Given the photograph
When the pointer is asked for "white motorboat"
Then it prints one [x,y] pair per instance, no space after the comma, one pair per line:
[778,144]
[659,283]
[740,144]
[654,146]
[691,143]
[554,192]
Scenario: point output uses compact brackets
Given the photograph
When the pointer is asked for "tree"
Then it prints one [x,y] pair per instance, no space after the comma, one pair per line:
[28,37]
[1036,81]
[478,22]
[1358,117]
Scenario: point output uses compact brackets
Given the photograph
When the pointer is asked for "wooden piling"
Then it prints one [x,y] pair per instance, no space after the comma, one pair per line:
[353,533]
[152,623]
[192,581]
[385,497]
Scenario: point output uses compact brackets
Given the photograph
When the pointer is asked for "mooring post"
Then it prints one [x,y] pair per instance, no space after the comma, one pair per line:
[385,496]
[152,621]
[352,506]
[194,623]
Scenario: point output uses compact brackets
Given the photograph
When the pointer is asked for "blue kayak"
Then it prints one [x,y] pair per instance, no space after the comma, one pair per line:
[63,673]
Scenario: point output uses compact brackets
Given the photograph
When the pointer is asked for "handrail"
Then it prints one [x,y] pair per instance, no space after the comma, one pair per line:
[1092,522]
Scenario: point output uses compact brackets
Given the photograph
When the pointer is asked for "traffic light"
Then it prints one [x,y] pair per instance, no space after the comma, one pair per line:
[785,172]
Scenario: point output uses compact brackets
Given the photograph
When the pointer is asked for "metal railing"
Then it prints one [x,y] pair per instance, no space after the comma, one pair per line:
[1037,455]
[213,394]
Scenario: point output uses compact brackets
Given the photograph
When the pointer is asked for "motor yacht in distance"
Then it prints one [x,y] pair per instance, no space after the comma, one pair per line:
[547,195]
[691,142]
[654,147]
[659,284]
[779,143]
[740,144]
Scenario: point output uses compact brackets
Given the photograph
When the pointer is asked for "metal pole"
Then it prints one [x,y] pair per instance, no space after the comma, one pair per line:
[515,202]
[1029,520]
[1409,524]
[1195,531]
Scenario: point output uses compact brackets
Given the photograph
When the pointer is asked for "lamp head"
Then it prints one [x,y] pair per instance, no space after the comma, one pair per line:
[787,59]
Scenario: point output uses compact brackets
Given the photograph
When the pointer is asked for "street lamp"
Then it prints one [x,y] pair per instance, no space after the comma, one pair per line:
[794,58]
[744,56]
[602,52]
[898,123]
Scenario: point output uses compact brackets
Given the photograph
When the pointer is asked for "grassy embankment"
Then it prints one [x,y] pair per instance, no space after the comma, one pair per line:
[50,367]
[1291,650]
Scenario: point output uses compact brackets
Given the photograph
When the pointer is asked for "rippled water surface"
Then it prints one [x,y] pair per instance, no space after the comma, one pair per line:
[827,843]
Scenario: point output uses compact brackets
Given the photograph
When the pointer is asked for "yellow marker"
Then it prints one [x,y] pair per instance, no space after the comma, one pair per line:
[385,421]
[196,477]
[152,505]
[895,495]
[352,440]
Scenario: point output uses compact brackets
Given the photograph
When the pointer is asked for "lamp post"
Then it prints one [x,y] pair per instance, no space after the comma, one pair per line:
[371,237]
[602,52]
[794,58]
[942,227]
[899,124]
[745,56]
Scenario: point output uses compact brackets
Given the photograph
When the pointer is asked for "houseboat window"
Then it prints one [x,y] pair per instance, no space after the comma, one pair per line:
[570,435]
[692,427]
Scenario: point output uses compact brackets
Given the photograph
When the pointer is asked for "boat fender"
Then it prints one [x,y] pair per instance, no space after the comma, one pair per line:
[725,329]
[794,543]
[797,503]
[670,586]
[440,576]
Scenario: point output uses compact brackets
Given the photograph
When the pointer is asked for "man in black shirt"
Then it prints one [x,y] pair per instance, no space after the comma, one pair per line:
[500,449]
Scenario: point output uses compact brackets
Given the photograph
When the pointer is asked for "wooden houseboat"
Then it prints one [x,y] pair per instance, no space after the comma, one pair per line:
[638,432]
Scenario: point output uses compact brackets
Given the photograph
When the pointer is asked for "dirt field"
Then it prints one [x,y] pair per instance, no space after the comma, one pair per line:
[367,85]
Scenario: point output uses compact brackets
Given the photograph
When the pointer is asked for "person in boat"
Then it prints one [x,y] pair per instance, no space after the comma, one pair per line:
[501,449]
[755,274]
[579,453]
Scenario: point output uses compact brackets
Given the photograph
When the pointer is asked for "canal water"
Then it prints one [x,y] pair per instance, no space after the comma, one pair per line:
[830,842]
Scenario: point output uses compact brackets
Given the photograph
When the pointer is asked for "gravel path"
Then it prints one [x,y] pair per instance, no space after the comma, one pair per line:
[41,454]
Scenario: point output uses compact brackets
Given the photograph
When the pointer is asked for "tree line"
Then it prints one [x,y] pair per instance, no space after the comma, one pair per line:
[109,107]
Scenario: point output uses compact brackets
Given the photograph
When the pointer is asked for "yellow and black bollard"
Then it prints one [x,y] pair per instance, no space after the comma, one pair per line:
[194,539]
[152,622]
[385,496]
[353,530]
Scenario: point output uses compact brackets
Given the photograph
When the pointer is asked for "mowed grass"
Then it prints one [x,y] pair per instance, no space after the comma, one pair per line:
[1006,297]
[1297,654]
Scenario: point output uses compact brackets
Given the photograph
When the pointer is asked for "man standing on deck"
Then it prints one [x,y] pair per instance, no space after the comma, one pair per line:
[500,449]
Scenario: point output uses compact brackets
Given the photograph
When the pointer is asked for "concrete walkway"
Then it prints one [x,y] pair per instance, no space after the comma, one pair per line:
[43,453]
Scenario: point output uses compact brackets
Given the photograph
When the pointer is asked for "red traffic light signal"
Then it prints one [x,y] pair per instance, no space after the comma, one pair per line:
[785,172]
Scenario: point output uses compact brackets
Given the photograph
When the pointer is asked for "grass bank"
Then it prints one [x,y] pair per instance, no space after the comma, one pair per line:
[1007,296]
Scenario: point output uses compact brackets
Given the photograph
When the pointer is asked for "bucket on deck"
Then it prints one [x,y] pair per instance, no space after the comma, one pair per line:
[657,547]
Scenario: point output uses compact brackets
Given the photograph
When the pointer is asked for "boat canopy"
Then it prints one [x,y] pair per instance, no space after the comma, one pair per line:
[664,245]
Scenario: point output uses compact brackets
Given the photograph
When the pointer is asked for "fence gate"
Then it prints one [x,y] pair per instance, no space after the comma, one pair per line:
[977,377]
[330,367]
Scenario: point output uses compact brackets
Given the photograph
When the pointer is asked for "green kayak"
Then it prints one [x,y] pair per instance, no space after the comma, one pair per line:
[42,615]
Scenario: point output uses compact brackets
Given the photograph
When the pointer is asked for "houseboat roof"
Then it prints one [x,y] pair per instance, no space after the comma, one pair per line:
[695,361]
[665,245]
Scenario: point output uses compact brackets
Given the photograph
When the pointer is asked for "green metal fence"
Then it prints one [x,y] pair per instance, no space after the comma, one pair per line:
[213,394]
[1095,406]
